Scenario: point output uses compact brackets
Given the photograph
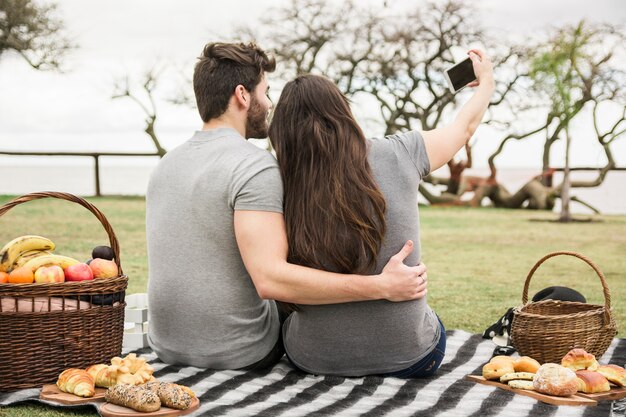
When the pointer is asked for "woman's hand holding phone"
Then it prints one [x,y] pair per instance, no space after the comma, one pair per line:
[483,68]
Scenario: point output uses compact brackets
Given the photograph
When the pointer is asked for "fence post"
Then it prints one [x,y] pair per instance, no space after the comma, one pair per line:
[97,172]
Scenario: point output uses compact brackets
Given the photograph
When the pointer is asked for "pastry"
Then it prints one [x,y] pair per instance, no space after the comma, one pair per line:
[577,359]
[133,370]
[555,379]
[591,382]
[520,384]
[528,376]
[614,373]
[494,370]
[76,381]
[104,376]
[132,396]
[526,364]
[171,395]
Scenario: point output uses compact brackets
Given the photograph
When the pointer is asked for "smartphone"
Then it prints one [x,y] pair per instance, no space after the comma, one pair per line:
[459,75]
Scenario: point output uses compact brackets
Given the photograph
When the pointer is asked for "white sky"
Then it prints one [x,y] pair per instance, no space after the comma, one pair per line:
[73,110]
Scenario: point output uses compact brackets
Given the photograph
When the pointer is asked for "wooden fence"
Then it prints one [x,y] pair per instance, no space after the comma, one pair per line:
[95,155]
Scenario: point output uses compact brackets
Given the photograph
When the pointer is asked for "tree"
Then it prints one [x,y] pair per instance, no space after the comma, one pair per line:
[569,75]
[34,32]
[123,89]
[398,61]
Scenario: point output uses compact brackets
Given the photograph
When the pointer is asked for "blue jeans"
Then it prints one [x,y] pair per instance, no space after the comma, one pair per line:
[427,365]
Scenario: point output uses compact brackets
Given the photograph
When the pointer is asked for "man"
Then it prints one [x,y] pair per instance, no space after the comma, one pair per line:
[217,246]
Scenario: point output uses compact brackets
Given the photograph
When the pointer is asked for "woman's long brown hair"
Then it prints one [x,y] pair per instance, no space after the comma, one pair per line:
[334,210]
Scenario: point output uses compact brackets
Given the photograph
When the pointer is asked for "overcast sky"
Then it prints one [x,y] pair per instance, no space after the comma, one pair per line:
[73,110]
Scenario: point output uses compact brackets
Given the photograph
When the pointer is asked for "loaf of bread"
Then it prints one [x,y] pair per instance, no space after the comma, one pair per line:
[577,359]
[133,396]
[554,379]
[591,382]
[526,364]
[614,373]
[76,381]
[171,395]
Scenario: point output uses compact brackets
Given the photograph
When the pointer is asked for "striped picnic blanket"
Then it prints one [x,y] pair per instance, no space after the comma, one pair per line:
[289,392]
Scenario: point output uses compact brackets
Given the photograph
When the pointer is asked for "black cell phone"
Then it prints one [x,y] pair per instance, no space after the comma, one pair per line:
[459,75]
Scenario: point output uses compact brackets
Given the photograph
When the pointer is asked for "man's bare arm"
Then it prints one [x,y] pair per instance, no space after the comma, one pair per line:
[262,240]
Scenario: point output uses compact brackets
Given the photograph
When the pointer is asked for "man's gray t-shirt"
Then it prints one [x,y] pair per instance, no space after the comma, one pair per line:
[374,337]
[204,308]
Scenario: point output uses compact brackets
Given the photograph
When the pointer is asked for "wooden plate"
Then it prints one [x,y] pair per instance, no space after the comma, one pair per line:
[112,410]
[615,394]
[53,393]
[550,399]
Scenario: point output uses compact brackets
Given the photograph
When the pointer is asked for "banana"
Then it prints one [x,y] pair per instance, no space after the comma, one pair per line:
[12,250]
[27,256]
[46,260]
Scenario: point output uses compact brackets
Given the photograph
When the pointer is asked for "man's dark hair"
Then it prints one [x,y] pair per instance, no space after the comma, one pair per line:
[222,67]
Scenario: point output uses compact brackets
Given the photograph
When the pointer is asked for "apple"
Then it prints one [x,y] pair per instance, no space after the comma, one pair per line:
[45,274]
[103,268]
[78,272]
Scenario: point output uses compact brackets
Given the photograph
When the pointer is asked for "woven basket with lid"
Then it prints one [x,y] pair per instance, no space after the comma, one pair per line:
[36,346]
[546,330]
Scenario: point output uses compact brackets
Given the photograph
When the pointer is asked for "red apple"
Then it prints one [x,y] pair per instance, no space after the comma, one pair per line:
[103,268]
[78,272]
[53,273]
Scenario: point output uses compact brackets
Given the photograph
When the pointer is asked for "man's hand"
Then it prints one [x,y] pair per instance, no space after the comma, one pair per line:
[401,282]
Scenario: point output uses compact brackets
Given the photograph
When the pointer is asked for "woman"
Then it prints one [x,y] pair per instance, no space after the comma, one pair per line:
[349,203]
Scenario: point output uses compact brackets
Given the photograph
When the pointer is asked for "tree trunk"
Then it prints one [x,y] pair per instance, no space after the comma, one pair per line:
[566,215]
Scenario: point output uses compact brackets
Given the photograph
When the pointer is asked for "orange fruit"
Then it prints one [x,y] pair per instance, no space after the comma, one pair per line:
[4,277]
[22,275]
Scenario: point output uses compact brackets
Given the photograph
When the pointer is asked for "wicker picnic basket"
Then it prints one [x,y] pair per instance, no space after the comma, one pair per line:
[546,330]
[36,346]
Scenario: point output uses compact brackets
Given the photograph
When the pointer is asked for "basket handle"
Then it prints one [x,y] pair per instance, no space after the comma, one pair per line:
[607,294]
[74,199]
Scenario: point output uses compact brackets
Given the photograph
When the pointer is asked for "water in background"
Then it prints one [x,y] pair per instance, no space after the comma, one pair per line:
[130,177]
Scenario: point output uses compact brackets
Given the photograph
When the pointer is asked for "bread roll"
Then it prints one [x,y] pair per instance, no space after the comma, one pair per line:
[132,396]
[503,358]
[171,395]
[553,379]
[591,382]
[577,359]
[615,374]
[526,364]
[494,370]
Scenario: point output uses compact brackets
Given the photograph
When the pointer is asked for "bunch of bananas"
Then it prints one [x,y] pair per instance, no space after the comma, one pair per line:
[33,252]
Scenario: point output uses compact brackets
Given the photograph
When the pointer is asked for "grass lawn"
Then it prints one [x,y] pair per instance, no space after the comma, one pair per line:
[477,259]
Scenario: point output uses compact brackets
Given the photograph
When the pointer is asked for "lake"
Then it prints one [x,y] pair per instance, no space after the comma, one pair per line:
[131,178]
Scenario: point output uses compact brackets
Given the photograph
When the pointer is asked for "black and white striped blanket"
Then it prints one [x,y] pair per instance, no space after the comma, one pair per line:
[288,392]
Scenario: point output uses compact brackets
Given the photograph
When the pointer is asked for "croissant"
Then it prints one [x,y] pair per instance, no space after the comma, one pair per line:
[77,382]
[104,376]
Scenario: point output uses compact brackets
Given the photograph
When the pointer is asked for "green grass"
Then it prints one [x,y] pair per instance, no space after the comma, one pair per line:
[477,259]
